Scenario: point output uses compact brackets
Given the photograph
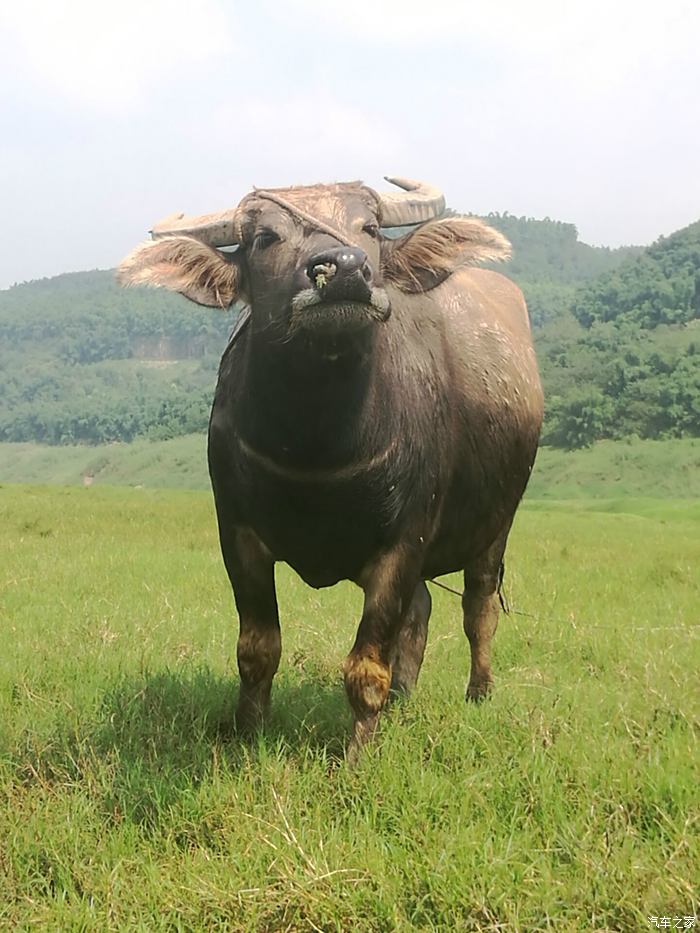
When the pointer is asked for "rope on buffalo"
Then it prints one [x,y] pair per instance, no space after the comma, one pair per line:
[509,610]
[303,215]
[571,621]
[501,595]
[505,606]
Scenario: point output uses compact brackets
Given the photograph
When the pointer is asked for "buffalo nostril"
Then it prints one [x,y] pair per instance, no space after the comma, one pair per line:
[322,273]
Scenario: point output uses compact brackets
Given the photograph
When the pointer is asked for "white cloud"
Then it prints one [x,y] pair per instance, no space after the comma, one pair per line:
[293,136]
[414,23]
[109,54]
[585,43]
[513,25]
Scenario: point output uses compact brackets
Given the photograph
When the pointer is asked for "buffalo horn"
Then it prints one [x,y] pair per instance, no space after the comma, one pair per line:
[220,228]
[417,203]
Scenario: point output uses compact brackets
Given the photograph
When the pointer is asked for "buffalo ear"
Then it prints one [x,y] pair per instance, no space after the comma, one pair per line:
[424,258]
[184,265]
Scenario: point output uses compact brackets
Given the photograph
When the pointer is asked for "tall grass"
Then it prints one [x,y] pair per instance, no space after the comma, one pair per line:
[569,801]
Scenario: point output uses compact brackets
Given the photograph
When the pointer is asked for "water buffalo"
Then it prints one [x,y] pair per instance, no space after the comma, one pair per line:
[376,420]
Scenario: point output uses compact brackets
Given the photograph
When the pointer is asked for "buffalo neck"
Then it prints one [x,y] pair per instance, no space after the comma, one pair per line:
[309,400]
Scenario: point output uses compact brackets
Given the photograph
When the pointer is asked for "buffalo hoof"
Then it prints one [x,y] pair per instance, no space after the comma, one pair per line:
[363,732]
[478,691]
[249,719]
[398,693]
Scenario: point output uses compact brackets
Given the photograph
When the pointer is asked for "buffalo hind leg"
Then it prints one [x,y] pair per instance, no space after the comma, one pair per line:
[480,604]
[389,587]
[251,571]
[409,647]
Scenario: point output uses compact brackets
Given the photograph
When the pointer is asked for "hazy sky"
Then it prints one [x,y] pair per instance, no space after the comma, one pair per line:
[115,114]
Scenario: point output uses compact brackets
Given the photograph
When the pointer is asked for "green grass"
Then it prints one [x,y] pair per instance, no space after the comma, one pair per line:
[609,469]
[567,802]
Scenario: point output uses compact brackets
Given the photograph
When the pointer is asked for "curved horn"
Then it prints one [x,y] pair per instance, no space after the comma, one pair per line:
[417,203]
[220,228]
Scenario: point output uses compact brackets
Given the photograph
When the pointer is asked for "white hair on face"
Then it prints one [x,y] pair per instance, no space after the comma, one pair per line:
[309,297]
[305,299]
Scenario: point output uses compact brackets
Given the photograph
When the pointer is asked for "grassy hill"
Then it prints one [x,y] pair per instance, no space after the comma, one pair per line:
[608,469]
[179,463]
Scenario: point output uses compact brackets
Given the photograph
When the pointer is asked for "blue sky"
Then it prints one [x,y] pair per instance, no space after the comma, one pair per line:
[116,114]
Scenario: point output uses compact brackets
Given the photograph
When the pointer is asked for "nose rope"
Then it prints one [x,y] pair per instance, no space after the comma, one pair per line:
[302,215]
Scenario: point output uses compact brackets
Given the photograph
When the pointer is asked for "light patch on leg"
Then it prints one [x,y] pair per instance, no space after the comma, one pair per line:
[258,654]
[258,657]
[367,682]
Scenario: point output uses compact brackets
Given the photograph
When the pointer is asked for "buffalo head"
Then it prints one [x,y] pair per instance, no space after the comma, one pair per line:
[312,260]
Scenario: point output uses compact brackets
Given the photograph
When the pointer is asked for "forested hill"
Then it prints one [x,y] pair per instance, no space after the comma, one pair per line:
[85,317]
[82,360]
[550,249]
[624,358]
[659,286]
[549,262]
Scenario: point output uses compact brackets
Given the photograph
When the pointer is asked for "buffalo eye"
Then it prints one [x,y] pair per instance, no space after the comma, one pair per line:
[265,238]
[371,228]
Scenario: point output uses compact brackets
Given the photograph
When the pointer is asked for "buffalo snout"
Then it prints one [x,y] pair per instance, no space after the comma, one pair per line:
[342,270]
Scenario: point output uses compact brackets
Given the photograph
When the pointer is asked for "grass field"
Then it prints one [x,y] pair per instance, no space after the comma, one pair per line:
[567,802]
[668,468]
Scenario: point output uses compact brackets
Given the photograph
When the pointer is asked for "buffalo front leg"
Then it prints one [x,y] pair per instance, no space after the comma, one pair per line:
[251,571]
[388,587]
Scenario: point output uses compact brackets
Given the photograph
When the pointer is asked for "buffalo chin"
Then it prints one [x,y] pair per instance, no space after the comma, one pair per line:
[325,318]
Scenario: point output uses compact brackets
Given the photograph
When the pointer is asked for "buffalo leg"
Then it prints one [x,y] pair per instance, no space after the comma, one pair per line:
[409,647]
[481,609]
[251,571]
[389,588]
